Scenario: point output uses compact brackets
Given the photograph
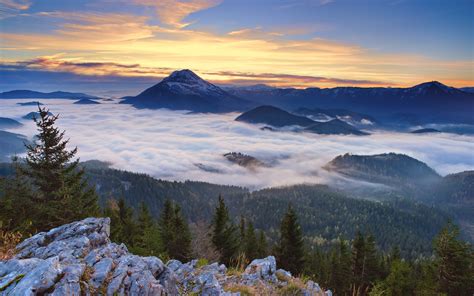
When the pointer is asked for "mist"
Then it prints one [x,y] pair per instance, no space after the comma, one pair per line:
[169,144]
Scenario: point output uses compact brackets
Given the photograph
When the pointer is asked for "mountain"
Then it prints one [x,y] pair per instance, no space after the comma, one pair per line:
[389,168]
[30,94]
[334,127]
[31,115]
[430,102]
[425,131]
[86,102]
[11,144]
[9,123]
[467,89]
[184,90]
[32,103]
[351,117]
[273,116]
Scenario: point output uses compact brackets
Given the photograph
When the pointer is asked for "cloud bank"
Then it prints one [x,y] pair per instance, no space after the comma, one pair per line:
[168,144]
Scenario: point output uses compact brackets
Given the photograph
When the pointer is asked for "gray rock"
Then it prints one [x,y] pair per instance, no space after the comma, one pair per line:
[79,259]
[263,269]
[283,275]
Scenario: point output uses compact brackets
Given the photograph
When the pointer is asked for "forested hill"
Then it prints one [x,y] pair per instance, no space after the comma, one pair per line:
[325,213]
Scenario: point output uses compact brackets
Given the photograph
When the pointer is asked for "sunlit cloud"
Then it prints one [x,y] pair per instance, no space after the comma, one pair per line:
[252,55]
[172,12]
[13,7]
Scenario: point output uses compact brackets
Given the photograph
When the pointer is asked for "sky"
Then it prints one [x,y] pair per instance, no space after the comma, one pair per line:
[123,46]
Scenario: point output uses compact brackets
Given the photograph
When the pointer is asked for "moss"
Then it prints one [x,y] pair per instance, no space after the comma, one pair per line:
[292,289]
[202,262]
[15,280]
[243,290]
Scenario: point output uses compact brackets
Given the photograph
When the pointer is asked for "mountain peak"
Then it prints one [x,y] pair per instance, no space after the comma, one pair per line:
[183,76]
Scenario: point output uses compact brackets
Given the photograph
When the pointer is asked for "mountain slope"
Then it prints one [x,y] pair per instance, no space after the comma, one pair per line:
[86,102]
[184,90]
[30,94]
[334,127]
[273,116]
[390,169]
[9,123]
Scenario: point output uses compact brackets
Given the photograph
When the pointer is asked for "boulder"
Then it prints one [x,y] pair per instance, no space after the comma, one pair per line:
[79,259]
[261,269]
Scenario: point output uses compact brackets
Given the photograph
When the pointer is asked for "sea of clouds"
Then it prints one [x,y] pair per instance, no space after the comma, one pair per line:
[168,144]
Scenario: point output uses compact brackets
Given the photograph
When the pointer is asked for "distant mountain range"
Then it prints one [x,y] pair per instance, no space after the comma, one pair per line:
[29,94]
[279,118]
[423,103]
[184,90]
[429,102]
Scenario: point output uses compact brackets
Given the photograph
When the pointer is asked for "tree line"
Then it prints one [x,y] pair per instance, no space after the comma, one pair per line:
[49,190]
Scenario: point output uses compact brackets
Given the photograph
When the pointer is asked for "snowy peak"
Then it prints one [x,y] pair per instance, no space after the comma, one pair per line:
[184,76]
[187,82]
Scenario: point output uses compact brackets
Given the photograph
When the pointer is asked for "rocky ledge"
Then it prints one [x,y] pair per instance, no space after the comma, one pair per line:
[80,259]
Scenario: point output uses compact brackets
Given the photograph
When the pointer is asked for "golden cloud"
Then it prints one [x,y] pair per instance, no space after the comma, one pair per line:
[172,12]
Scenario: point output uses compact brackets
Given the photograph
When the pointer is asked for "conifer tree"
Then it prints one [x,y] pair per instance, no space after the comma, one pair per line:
[224,235]
[63,194]
[291,245]
[358,263]
[181,244]
[175,234]
[262,246]
[251,244]
[455,262]
[16,203]
[128,228]
[148,241]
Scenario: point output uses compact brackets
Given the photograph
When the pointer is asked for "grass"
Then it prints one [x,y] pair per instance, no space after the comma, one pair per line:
[8,241]
[202,262]
[292,289]
[244,290]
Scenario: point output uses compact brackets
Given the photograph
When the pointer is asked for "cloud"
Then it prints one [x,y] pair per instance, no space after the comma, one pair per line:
[168,144]
[116,37]
[13,7]
[171,12]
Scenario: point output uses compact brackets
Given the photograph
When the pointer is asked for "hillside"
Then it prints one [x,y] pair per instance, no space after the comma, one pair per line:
[334,127]
[390,169]
[11,144]
[184,90]
[273,116]
[8,123]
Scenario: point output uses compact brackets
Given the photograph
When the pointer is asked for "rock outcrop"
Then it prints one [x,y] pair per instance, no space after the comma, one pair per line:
[79,259]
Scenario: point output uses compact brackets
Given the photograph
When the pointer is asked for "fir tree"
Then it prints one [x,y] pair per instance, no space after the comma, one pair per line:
[62,195]
[251,244]
[224,236]
[262,247]
[181,237]
[455,262]
[16,203]
[148,241]
[291,246]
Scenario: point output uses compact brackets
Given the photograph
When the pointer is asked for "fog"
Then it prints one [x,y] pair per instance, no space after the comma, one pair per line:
[168,144]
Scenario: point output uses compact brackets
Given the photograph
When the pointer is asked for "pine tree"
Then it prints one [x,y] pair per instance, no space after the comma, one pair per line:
[175,234]
[455,262]
[128,229]
[148,240]
[63,194]
[251,244]
[262,247]
[291,245]
[358,264]
[181,237]
[16,203]
[224,236]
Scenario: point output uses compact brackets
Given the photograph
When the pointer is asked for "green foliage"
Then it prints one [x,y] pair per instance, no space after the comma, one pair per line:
[175,233]
[251,243]
[291,247]
[224,235]
[455,262]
